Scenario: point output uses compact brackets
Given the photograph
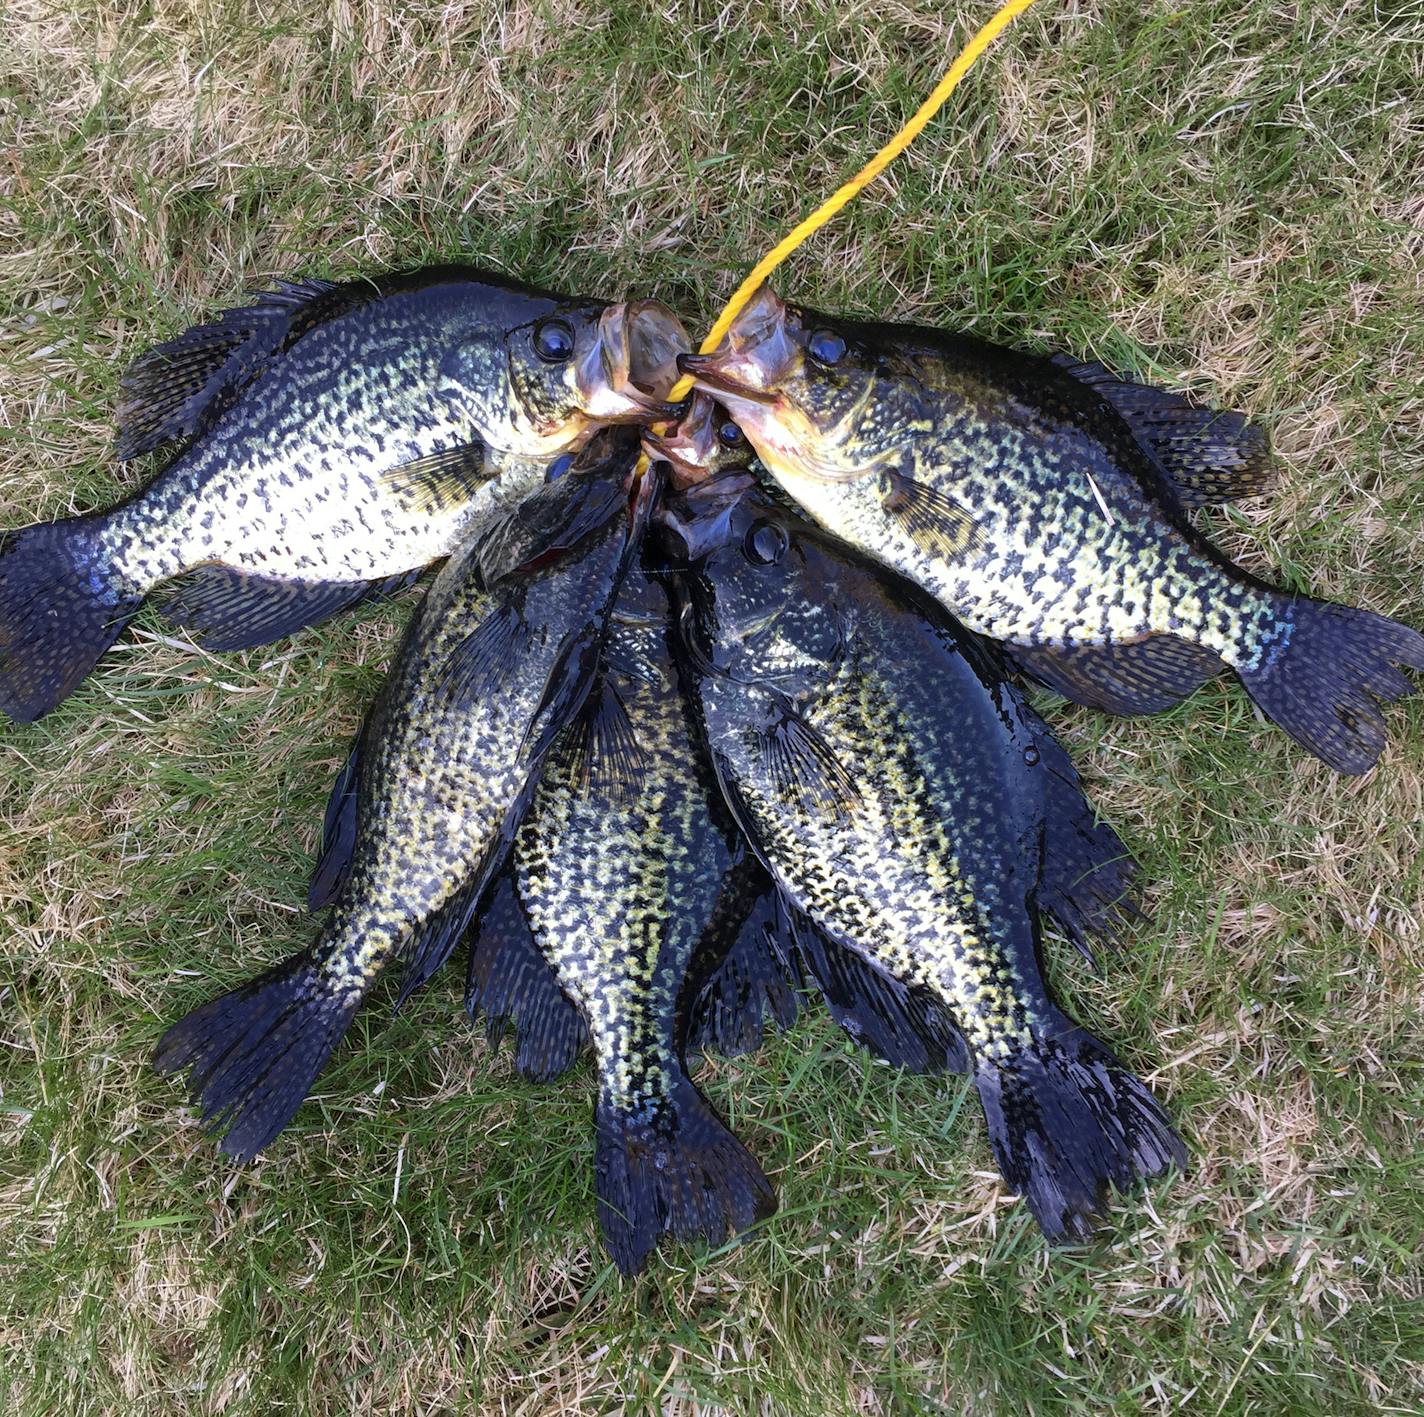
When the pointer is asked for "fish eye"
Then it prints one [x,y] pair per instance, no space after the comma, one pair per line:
[554,340]
[826,347]
[765,543]
[559,467]
[729,435]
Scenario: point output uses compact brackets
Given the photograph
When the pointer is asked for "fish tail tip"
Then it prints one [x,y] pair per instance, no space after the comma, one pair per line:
[685,1175]
[252,1054]
[1325,682]
[60,609]
[1070,1124]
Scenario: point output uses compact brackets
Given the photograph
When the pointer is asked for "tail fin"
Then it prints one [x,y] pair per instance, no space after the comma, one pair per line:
[1322,683]
[684,1174]
[1067,1121]
[253,1054]
[59,611]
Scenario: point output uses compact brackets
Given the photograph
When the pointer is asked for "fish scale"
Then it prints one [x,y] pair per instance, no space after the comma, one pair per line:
[620,866]
[365,398]
[421,820]
[1048,566]
[607,875]
[333,441]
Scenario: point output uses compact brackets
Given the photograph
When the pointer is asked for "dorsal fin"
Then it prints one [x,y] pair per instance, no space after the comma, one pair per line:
[179,388]
[1210,455]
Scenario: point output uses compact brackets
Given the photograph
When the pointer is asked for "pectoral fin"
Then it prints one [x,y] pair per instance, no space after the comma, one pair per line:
[441,481]
[936,523]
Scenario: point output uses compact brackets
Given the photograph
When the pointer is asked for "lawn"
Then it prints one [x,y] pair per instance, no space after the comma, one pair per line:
[1224,197]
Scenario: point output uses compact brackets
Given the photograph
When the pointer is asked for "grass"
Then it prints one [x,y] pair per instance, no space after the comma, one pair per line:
[1222,196]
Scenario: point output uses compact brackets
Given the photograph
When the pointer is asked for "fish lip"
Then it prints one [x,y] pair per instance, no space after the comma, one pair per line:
[626,374]
[706,375]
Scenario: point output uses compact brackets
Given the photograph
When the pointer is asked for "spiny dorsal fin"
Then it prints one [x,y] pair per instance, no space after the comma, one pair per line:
[440,481]
[937,524]
[178,389]
[1210,456]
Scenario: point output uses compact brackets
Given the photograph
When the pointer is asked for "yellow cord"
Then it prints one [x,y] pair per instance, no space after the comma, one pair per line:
[838,199]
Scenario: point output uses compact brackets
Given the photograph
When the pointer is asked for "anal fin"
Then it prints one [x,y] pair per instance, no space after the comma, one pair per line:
[226,609]
[743,976]
[906,1027]
[338,832]
[1141,676]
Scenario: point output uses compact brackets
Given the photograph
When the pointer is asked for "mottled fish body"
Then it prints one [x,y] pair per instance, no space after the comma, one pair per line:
[621,870]
[496,660]
[911,805]
[334,439]
[1044,505]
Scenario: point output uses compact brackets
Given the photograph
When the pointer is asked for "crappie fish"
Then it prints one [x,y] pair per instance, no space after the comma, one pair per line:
[621,869]
[497,659]
[1043,506]
[911,805]
[334,439]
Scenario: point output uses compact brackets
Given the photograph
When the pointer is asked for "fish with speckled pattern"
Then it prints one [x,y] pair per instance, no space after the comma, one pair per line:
[332,440]
[1044,504]
[624,870]
[910,804]
[496,661]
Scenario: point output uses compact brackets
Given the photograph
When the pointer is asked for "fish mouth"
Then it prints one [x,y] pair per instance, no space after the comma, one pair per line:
[627,374]
[694,522]
[688,447]
[709,375]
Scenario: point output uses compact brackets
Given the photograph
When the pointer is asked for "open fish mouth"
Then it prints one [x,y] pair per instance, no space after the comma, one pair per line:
[627,374]
[709,373]
[689,446]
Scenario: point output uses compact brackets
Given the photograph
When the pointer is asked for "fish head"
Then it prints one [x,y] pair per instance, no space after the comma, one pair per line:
[704,441]
[752,576]
[539,388]
[813,397]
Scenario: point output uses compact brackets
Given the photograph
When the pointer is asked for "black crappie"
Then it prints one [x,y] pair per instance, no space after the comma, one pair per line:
[481,686]
[1043,507]
[907,800]
[625,866]
[336,438]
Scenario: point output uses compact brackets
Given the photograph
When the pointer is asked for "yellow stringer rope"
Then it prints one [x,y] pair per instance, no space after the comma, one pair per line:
[1005,16]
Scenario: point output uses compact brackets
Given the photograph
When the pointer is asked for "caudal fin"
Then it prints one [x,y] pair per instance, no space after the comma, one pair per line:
[60,609]
[1068,1122]
[682,1174]
[1325,682]
[252,1055]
